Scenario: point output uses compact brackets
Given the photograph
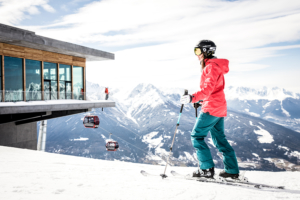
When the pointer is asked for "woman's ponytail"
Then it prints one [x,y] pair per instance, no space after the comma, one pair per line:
[202,65]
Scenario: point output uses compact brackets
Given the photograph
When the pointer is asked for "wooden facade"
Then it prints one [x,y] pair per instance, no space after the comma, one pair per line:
[39,55]
[34,54]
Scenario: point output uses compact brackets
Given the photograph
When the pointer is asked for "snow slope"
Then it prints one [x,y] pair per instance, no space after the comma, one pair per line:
[27,174]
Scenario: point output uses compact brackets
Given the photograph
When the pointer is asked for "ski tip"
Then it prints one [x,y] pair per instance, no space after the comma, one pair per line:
[143,173]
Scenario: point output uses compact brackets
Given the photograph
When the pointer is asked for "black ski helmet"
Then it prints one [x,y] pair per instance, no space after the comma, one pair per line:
[208,48]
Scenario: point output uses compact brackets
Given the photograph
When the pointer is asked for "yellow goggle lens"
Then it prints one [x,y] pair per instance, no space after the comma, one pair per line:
[197,51]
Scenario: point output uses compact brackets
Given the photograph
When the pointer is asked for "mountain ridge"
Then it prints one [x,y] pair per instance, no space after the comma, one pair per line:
[144,120]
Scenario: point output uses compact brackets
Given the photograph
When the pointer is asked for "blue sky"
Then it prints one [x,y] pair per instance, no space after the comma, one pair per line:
[153,40]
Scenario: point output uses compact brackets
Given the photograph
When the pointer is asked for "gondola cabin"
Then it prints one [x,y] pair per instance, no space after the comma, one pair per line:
[112,146]
[91,121]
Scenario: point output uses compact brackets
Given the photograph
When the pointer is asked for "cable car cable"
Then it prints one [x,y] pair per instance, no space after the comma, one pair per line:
[125,141]
[118,123]
[137,147]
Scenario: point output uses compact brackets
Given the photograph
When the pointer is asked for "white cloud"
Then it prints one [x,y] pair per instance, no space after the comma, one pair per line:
[48,8]
[14,11]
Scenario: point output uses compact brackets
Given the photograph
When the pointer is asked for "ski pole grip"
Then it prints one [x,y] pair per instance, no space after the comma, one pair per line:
[186,92]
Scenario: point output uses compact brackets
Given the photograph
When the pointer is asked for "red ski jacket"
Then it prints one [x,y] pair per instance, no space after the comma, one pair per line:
[212,85]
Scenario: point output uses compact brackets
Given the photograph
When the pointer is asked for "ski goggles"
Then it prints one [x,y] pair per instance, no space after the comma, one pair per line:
[197,51]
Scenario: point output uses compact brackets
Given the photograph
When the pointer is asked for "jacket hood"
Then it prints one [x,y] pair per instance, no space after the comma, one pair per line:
[222,63]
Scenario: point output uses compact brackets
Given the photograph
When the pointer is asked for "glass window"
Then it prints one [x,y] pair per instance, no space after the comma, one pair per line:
[50,71]
[33,80]
[65,82]
[0,78]
[64,72]
[13,70]
[78,82]
[50,81]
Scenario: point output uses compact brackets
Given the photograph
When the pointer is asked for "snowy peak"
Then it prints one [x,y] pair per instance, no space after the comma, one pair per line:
[245,93]
[143,89]
[145,95]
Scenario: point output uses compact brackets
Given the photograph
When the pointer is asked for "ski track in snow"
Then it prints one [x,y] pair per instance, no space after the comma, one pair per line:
[38,175]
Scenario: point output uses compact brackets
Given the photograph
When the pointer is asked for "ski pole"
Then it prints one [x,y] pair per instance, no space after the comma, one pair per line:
[164,174]
[196,105]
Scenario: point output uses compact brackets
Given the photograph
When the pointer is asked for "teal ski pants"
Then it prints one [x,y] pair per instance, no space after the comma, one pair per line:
[215,125]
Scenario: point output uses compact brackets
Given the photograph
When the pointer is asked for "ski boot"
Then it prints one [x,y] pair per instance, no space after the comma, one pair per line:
[204,173]
[224,174]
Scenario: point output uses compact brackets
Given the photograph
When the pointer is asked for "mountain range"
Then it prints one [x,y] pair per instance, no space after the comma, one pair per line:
[144,120]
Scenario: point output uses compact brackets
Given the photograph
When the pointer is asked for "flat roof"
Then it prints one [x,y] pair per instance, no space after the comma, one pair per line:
[25,38]
[52,105]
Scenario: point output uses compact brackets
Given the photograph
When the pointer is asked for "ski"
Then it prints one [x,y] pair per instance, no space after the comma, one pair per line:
[188,177]
[144,173]
[175,174]
[242,182]
[258,185]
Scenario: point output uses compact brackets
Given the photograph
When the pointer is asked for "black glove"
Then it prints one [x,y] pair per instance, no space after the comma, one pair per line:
[197,105]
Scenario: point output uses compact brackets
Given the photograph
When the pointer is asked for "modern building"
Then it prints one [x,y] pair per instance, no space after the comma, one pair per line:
[40,78]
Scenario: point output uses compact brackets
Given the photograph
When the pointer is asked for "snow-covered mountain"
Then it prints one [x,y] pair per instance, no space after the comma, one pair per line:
[273,104]
[144,121]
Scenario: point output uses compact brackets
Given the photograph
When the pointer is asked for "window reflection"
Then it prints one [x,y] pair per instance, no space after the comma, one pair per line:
[50,81]
[33,80]
[14,84]
[13,70]
[78,82]
[0,78]
[65,84]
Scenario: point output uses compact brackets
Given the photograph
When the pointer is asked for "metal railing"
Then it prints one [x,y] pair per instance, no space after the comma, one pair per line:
[18,95]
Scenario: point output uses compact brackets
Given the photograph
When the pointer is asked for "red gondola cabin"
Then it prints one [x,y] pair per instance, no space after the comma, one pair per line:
[112,146]
[91,121]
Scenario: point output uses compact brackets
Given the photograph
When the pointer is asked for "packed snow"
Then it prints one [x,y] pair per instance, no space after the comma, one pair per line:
[252,113]
[283,147]
[264,136]
[210,141]
[34,175]
[79,139]
[284,111]
[295,154]
[232,143]
[256,155]
[267,105]
[188,157]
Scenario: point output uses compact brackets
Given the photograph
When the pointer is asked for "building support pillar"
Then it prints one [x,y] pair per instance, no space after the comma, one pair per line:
[41,146]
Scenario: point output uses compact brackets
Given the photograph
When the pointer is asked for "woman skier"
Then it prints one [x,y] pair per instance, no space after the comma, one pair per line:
[214,109]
